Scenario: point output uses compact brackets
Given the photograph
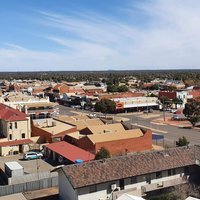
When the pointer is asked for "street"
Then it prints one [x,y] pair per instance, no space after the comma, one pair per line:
[171,133]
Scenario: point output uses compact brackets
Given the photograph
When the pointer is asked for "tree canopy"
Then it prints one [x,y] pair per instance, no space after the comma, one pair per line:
[102,153]
[182,141]
[105,106]
[115,88]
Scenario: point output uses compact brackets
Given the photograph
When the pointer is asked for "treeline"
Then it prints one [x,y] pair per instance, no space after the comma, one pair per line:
[112,77]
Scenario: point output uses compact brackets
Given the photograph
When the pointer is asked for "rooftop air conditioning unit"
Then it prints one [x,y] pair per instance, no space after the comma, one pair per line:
[113,187]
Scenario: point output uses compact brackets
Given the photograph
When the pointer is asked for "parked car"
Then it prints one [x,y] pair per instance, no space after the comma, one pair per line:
[167,109]
[173,111]
[92,115]
[150,110]
[30,155]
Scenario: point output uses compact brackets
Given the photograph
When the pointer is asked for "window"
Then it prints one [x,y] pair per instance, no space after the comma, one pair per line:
[10,125]
[121,183]
[133,180]
[93,188]
[23,135]
[186,170]
[10,136]
[148,178]
[169,172]
[173,171]
[16,125]
[158,174]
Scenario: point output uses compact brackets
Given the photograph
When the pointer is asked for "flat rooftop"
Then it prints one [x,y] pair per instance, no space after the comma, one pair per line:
[41,104]
[51,125]
[80,121]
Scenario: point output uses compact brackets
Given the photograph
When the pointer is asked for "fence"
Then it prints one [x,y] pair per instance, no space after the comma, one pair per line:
[29,186]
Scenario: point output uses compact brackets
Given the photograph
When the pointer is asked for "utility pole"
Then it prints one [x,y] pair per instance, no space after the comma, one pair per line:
[163,110]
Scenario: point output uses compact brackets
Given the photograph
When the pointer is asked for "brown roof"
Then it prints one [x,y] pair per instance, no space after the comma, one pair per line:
[80,121]
[96,172]
[15,142]
[107,128]
[115,136]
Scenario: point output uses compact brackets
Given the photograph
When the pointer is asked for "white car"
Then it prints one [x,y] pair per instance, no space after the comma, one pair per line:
[32,155]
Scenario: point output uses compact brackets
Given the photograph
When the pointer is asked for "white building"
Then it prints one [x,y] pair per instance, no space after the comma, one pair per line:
[136,174]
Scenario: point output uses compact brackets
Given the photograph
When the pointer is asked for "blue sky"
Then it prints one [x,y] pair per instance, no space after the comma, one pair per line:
[47,35]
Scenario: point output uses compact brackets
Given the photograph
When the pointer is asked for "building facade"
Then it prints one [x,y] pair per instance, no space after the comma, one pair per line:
[135,174]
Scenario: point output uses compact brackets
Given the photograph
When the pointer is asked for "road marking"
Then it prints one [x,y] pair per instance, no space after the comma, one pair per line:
[153,129]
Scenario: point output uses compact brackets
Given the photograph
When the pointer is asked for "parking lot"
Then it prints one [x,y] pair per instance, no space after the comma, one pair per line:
[30,166]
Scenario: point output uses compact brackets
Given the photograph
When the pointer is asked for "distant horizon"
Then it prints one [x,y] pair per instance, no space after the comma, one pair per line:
[183,69]
[99,35]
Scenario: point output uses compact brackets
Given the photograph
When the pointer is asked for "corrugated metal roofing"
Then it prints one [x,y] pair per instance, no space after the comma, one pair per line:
[70,151]
[10,114]
[15,142]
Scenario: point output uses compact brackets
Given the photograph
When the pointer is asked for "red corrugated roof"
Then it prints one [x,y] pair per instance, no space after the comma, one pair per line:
[70,151]
[15,142]
[10,114]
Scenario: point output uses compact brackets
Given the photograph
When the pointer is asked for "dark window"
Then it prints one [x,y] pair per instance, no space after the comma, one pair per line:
[121,183]
[133,180]
[93,188]
[15,124]
[173,171]
[23,135]
[169,172]
[10,125]
[186,170]
[158,174]
[148,178]
[10,136]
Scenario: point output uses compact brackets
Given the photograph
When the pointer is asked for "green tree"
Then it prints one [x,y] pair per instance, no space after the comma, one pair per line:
[182,141]
[192,108]
[102,153]
[105,106]
[177,101]
[123,88]
[165,101]
[112,88]
[194,120]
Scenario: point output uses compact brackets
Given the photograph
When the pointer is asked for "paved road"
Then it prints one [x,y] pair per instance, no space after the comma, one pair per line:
[171,133]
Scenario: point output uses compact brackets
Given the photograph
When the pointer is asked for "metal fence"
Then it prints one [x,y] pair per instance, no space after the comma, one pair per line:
[29,186]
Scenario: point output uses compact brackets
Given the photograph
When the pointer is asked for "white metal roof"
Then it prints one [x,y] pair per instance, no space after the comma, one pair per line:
[13,165]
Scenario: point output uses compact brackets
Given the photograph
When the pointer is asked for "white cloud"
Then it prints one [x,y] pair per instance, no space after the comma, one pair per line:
[97,42]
